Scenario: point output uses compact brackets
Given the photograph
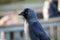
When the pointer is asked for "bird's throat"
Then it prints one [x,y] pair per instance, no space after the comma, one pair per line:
[32,20]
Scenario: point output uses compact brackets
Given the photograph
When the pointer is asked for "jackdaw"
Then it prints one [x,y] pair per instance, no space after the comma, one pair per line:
[36,31]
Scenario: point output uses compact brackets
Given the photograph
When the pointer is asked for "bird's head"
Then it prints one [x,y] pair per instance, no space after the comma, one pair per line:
[28,14]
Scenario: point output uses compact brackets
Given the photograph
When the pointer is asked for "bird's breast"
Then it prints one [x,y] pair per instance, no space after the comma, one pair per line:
[26,30]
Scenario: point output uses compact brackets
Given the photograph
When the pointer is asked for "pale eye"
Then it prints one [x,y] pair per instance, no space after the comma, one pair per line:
[26,13]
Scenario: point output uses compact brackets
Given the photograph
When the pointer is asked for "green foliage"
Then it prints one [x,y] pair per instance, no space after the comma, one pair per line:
[15,1]
[4,1]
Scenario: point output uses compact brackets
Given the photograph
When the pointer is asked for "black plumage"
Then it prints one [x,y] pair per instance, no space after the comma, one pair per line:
[36,31]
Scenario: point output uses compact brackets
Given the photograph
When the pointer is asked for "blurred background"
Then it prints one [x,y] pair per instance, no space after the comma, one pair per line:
[12,25]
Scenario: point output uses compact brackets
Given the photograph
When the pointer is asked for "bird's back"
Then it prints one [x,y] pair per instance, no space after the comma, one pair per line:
[36,32]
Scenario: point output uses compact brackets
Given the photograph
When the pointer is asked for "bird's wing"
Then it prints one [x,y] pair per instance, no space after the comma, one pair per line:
[38,31]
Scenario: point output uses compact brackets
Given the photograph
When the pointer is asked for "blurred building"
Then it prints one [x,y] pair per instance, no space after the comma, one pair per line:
[12,25]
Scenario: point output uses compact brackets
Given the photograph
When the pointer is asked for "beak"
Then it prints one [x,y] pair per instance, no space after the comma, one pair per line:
[21,13]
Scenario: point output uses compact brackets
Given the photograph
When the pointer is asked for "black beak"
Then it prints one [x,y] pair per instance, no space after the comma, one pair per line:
[21,13]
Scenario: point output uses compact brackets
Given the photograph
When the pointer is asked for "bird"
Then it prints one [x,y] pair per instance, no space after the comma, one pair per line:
[36,31]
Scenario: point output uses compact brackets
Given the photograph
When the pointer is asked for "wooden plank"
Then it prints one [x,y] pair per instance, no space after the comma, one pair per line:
[51,33]
[7,36]
[17,35]
[2,35]
[58,32]
[56,19]
[11,28]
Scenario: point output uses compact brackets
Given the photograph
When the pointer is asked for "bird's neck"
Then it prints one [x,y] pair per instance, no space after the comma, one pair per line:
[32,20]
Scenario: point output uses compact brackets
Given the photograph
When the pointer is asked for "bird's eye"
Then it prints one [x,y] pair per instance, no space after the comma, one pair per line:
[26,13]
